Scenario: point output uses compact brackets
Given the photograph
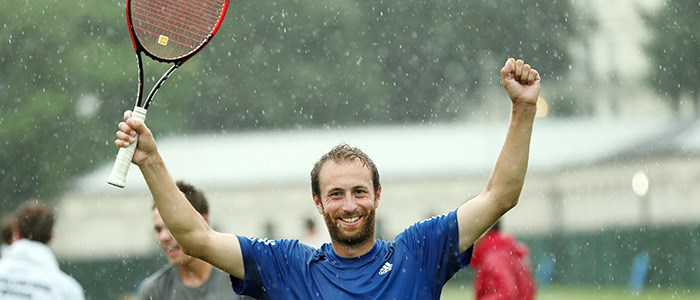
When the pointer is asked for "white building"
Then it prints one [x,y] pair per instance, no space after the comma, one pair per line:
[613,63]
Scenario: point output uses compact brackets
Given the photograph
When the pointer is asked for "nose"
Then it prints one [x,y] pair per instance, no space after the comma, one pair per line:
[164,235]
[349,203]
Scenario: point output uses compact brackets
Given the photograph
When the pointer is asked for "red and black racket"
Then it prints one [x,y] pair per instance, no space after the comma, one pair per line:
[168,31]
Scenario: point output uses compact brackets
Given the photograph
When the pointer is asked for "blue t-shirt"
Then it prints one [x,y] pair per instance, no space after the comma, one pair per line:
[415,266]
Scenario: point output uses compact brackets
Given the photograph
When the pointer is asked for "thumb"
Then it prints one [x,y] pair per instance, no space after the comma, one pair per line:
[139,126]
[136,122]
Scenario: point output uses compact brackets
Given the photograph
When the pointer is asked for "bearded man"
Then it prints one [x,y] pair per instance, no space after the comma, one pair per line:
[346,191]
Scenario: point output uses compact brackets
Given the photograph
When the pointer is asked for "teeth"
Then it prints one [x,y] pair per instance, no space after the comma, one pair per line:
[351,220]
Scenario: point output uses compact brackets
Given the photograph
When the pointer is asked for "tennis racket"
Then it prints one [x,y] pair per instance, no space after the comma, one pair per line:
[168,31]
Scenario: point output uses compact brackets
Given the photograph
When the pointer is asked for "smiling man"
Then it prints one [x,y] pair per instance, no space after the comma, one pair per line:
[347,198]
[346,191]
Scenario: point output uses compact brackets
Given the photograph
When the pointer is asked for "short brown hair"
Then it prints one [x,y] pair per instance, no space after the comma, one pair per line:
[343,153]
[195,196]
[8,228]
[35,221]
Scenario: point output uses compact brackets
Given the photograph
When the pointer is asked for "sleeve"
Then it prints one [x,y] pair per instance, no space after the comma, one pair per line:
[267,265]
[435,243]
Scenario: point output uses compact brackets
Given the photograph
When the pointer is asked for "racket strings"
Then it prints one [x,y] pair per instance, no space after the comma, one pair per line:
[171,29]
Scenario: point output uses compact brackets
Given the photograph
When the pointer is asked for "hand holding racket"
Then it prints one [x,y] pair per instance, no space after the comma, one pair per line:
[168,31]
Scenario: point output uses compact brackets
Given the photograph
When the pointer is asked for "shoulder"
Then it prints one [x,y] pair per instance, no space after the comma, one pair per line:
[270,247]
[161,277]
[439,224]
[443,219]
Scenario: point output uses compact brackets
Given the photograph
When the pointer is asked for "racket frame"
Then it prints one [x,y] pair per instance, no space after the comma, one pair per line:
[123,160]
[177,61]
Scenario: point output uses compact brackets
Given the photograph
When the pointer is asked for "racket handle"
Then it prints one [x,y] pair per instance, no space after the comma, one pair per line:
[123,161]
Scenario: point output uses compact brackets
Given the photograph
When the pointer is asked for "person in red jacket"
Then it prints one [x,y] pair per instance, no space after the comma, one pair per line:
[502,268]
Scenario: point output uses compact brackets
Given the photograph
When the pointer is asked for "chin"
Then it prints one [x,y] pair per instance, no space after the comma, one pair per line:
[360,233]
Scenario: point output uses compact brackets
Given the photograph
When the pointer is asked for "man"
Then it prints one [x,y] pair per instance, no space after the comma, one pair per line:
[502,267]
[28,268]
[346,191]
[185,277]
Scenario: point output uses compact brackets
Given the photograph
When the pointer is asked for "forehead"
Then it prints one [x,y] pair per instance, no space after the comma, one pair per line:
[345,173]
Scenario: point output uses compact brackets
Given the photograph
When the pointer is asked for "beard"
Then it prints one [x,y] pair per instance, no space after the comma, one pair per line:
[358,237]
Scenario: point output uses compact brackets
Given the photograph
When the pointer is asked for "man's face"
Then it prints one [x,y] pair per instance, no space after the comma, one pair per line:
[347,202]
[167,242]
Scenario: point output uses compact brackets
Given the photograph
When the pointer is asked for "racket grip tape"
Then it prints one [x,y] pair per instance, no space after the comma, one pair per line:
[123,161]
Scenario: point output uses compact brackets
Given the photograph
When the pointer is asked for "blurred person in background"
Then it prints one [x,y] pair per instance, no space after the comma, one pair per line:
[7,228]
[502,267]
[28,267]
[184,277]
[346,191]
[311,235]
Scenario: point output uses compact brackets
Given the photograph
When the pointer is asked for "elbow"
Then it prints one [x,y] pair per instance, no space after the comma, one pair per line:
[507,201]
[195,252]
[505,193]
[511,199]
[192,245]
[506,198]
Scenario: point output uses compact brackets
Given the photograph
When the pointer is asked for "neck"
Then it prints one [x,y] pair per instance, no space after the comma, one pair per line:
[350,251]
[195,272]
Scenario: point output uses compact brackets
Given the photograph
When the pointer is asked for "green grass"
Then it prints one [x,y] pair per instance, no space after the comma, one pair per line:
[466,292]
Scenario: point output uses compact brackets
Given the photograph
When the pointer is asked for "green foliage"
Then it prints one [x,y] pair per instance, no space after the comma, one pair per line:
[673,48]
[341,63]
[68,71]
[43,141]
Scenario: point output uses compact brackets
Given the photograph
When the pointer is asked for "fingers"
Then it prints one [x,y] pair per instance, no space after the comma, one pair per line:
[533,76]
[128,130]
[520,71]
[125,135]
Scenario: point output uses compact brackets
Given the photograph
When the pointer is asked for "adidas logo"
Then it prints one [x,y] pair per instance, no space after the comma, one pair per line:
[385,268]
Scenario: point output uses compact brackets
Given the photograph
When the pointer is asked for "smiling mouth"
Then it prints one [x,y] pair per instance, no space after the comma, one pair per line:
[350,220]
[171,248]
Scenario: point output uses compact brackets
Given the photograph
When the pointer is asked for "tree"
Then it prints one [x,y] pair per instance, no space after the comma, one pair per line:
[54,73]
[342,63]
[673,49]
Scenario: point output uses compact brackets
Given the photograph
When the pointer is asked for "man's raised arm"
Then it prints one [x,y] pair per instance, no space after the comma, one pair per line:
[502,191]
[193,234]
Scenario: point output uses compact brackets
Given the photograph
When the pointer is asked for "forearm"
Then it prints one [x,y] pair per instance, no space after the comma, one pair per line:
[183,221]
[506,181]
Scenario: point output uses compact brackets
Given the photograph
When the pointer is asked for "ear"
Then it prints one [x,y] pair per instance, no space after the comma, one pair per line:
[318,203]
[15,234]
[377,196]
